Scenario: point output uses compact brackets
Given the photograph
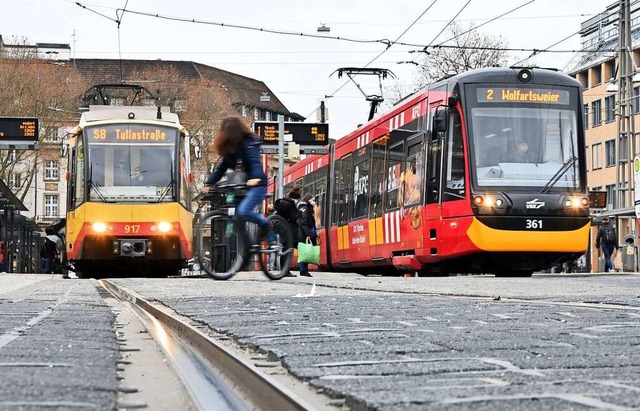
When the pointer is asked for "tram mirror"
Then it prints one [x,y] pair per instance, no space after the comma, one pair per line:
[64,147]
[441,119]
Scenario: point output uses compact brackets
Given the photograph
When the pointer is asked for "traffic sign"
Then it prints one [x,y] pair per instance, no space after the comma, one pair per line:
[304,134]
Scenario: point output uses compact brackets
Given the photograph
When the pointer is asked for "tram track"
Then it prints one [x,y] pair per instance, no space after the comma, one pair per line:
[215,375]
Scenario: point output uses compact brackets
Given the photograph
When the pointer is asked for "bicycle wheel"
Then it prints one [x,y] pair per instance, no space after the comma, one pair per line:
[275,255]
[221,245]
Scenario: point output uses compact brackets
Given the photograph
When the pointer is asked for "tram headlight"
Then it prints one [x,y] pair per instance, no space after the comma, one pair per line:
[576,202]
[99,227]
[164,227]
[490,204]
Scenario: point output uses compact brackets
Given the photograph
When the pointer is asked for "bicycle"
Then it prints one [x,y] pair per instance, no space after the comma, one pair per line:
[223,243]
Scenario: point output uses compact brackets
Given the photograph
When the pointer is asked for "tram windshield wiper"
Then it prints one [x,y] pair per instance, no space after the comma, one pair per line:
[169,186]
[95,187]
[556,177]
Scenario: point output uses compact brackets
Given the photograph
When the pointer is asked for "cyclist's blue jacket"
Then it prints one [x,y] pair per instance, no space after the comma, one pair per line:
[249,155]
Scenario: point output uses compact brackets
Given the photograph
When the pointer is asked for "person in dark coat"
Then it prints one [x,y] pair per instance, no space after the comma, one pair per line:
[607,238]
[235,143]
[307,226]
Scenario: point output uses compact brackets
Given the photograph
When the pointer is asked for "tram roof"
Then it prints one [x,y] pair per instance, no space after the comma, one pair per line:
[500,74]
[148,113]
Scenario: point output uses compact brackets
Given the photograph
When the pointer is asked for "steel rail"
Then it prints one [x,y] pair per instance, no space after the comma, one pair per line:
[260,388]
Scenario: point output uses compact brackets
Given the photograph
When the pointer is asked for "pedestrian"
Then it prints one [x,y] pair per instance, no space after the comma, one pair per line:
[607,238]
[50,251]
[234,142]
[307,226]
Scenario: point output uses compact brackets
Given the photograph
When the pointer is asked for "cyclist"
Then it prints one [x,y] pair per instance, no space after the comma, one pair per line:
[235,143]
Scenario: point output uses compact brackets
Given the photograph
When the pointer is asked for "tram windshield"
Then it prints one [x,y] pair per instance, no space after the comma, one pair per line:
[525,145]
[131,163]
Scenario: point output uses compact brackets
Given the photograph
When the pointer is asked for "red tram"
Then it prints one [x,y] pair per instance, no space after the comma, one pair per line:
[483,172]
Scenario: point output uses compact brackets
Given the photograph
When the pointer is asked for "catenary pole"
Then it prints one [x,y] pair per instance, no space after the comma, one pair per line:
[280,156]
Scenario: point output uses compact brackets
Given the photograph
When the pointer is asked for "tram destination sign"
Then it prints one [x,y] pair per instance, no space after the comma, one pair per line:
[304,134]
[19,133]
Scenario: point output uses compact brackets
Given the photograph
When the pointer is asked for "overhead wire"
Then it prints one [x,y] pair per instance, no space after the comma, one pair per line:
[451,20]
[388,46]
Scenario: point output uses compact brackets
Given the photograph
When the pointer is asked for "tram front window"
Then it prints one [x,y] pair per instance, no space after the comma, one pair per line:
[132,171]
[524,147]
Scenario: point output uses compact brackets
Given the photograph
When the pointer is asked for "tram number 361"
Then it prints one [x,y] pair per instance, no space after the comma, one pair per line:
[533,224]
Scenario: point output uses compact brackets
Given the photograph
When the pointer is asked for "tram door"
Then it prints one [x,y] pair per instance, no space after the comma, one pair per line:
[343,197]
[377,188]
[433,223]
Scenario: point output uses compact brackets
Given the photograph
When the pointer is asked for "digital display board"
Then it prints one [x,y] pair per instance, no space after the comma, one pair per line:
[19,129]
[131,134]
[522,95]
[309,134]
[597,199]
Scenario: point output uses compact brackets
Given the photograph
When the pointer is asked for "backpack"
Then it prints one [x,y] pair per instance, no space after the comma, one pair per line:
[287,209]
[608,235]
[48,247]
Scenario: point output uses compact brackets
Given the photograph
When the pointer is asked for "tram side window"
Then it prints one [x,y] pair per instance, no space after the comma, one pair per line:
[433,170]
[360,189]
[413,176]
[345,190]
[377,177]
[78,181]
[454,188]
[394,175]
[184,182]
[335,207]
[321,199]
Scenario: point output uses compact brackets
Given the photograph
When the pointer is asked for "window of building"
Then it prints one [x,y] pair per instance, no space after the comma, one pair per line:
[611,69]
[148,102]
[623,155]
[256,114]
[610,108]
[586,116]
[51,171]
[268,116]
[179,105]
[51,205]
[596,156]
[52,134]
[14,180]
[116,101]
[610,153]
[596,77]
[611,192]
[636,99]
[596,113]
[11,156]
[245,111]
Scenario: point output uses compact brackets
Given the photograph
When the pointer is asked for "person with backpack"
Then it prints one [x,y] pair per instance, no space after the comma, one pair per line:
[49,251]
[307,226]
[287,207]
[607,238]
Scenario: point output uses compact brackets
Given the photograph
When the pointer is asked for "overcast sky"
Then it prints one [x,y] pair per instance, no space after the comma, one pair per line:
[296,68]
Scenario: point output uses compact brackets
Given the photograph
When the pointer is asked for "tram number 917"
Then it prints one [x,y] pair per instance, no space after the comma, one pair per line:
[531,224]
[131,228]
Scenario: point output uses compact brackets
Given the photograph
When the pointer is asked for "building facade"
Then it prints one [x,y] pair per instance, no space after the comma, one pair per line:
[609,150]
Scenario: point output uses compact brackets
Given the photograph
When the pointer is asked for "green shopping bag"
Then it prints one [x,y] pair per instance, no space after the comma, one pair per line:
[308,253]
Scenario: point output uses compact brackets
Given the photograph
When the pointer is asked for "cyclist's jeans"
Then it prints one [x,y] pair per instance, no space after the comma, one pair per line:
[246,210]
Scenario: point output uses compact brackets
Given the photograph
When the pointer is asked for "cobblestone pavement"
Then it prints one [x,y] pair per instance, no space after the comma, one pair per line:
[57,345]
[464,343]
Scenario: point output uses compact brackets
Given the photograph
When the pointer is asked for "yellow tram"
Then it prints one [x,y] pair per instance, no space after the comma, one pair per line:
[128,193]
